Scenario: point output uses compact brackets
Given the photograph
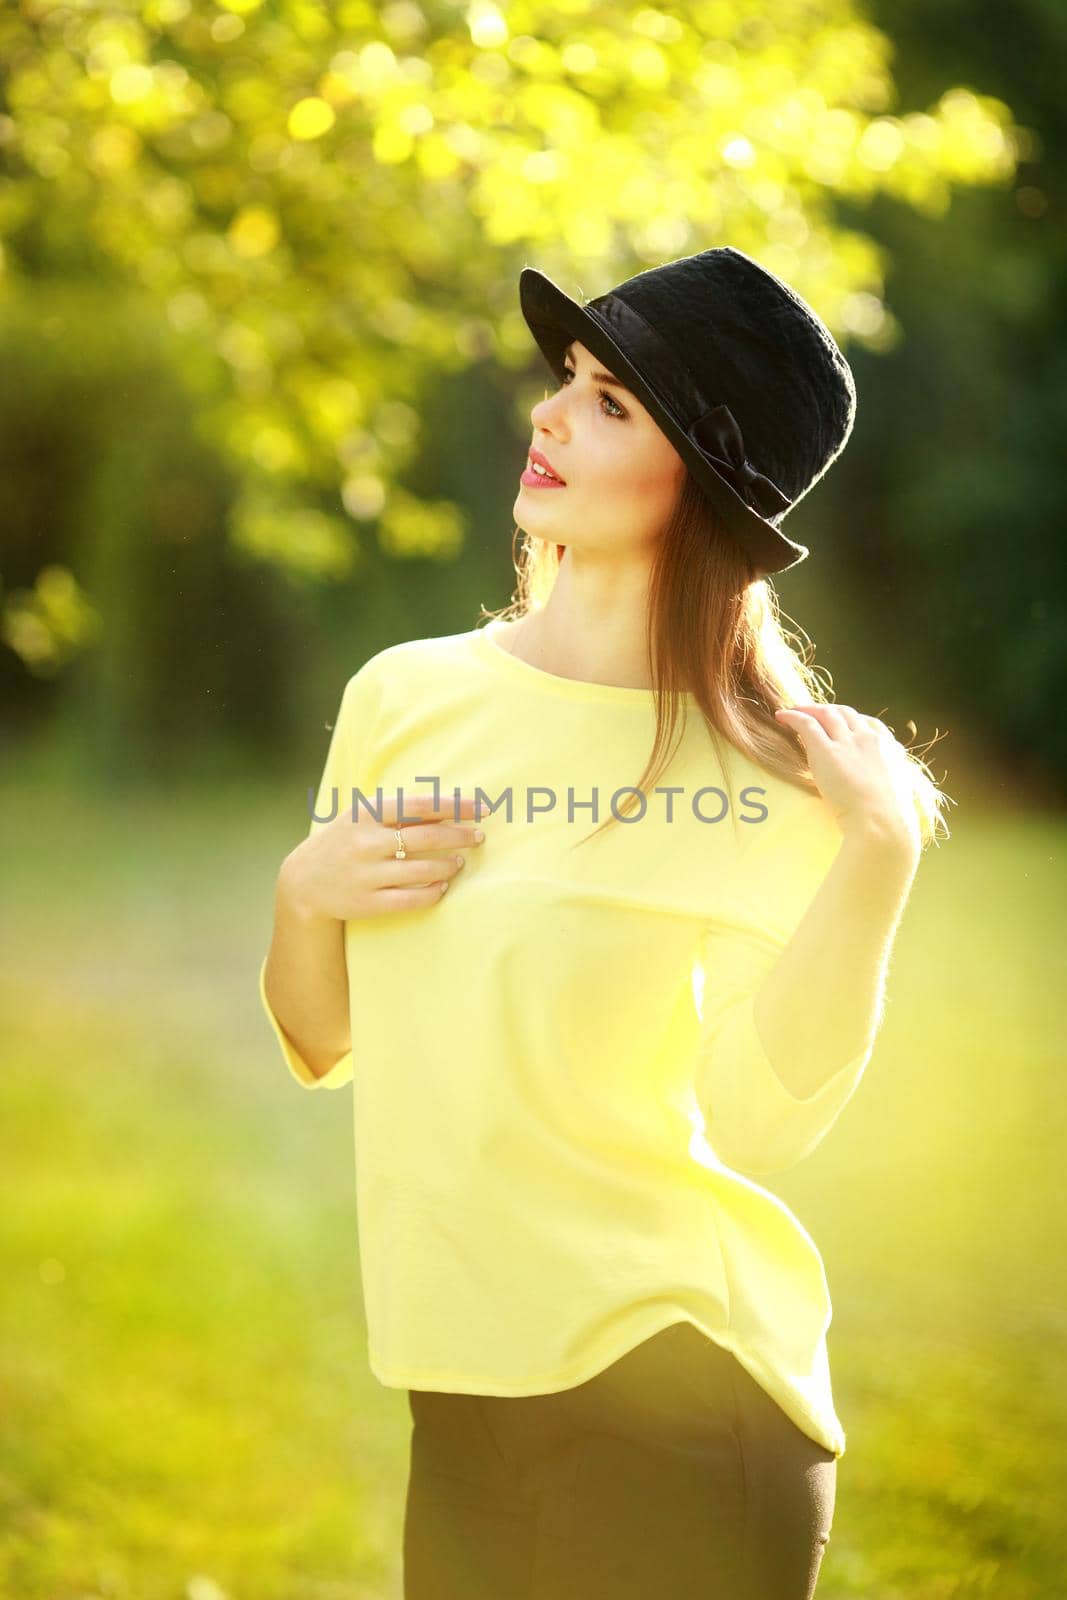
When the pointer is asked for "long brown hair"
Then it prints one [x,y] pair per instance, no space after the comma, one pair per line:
[716,629]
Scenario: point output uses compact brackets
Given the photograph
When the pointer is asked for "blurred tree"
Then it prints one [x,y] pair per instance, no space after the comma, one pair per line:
[105,475]
[303,226]
[952,488]
[319,199]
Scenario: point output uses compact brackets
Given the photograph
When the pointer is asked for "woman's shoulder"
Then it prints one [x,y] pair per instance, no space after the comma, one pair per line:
[412,672]
[780,809]
[410,658]
[783,858]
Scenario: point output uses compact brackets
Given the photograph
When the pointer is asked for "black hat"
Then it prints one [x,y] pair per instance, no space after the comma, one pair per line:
[739,372]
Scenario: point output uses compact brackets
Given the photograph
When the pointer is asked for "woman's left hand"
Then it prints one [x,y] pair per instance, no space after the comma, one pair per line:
[860,767]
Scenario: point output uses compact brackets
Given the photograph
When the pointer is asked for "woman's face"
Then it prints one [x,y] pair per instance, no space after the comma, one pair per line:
[621,474]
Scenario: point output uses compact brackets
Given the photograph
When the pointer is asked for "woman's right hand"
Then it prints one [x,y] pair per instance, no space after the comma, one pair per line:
[347,869]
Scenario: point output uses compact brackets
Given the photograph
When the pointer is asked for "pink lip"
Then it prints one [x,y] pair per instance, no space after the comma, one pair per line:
[530,480]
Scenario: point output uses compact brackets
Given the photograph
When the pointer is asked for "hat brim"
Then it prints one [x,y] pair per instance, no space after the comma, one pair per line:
[555,319]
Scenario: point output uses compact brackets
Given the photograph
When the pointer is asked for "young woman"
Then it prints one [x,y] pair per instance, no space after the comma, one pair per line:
[578,1036]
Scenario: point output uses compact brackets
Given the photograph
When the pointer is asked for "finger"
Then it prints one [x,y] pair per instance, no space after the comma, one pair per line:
[831,718]
[878,726]
[417,872]
[403,808]
[428,836]
[857,722]
[808,728]
[827,716]
[414,897]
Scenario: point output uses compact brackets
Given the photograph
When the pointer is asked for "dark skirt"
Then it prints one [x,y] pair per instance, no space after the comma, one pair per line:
[670,1473]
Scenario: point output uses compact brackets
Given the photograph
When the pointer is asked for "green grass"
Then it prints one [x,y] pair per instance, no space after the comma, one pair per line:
[185,1406]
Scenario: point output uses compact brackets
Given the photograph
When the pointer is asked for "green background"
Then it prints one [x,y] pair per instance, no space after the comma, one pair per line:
[264,399]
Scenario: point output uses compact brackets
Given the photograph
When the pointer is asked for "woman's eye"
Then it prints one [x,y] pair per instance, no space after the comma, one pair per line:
[568,372]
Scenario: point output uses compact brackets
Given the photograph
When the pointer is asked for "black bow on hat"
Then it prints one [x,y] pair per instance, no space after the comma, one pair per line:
[739,372]
[716,433]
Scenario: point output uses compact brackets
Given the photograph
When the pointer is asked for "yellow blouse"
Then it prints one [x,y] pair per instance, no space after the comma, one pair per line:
[561,1101]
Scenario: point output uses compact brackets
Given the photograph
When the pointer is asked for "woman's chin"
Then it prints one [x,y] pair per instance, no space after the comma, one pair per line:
[530,503]
[536,527]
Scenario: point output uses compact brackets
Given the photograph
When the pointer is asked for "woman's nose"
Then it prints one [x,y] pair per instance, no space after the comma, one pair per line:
[546,410]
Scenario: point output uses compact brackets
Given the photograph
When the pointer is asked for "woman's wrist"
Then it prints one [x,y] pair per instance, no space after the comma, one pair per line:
[883,834]
[294,896]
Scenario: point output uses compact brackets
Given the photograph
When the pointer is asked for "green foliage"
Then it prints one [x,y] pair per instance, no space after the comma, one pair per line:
[50,623]
[265,385]
[327,205]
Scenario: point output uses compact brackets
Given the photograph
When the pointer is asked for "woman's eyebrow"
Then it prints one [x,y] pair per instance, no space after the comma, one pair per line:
[604,377]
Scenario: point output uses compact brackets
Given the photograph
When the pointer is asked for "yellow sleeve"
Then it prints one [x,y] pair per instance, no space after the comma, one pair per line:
[337,1076]
[347,764]
[752,1121]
